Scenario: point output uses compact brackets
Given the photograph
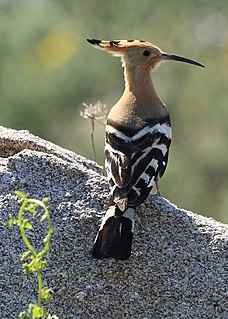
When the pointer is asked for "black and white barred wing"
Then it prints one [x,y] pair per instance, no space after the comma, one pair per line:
[134,162]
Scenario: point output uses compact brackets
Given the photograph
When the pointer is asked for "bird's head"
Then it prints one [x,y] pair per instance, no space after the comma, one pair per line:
[138,53]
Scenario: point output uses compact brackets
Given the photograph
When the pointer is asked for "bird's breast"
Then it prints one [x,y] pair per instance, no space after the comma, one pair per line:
[134,116]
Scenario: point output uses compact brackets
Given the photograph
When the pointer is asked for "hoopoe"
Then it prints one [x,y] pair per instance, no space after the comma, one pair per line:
[138,137]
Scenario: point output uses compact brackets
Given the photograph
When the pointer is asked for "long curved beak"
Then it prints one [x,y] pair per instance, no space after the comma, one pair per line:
[167,56]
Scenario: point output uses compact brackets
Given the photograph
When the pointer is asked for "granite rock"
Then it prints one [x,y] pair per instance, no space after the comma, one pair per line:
[178,267]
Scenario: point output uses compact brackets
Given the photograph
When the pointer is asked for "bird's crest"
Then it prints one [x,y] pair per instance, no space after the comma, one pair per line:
[118,46]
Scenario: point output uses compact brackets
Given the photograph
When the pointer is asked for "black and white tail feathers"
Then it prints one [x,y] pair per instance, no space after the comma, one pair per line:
[134,161]
[114,238]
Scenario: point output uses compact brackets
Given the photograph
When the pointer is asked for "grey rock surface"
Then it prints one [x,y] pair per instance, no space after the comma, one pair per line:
[178,268]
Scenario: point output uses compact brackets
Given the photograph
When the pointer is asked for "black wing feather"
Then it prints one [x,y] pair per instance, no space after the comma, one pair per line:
[133,164]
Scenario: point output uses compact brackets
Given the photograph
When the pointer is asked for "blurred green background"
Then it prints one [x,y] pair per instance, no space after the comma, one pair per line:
[47,70]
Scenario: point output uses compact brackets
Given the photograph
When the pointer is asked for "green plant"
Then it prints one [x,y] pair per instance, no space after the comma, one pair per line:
[33,261]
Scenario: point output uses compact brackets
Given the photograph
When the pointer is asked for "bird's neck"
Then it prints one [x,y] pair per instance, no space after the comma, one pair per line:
[140,102]
[139,85]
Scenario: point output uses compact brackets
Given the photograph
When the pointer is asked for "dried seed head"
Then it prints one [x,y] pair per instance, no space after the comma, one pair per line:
[95,111]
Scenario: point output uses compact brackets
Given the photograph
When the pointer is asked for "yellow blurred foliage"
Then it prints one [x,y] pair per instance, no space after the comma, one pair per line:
[56,49]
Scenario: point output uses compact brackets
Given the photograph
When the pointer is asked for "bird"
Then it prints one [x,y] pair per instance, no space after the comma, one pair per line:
[137,141]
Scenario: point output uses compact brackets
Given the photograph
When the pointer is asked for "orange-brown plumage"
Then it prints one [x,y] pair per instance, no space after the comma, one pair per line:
[139,100]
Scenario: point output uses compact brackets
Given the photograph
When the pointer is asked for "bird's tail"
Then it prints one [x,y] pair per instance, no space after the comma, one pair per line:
[115,235]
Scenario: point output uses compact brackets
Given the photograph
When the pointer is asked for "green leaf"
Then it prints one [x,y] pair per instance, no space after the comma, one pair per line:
[46,294]
[21,195]
[32,208]
[37,312]
[27,268]
[36,202]
[42,264]
[47,238]
[12,221]
[26,224]
[45,200]
[34,265]
[44,217]
[25,255]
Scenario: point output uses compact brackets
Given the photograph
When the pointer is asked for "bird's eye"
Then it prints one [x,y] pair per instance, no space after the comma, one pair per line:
[146,53]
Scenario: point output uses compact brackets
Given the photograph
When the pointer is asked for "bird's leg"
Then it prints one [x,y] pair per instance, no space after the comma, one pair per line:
[157,186]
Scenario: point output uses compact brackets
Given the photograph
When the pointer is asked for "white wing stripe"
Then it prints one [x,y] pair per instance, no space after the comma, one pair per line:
[112,150]
[137,190]
[111,130]
[154,164]
[161,147]
[161,128]
[146,177]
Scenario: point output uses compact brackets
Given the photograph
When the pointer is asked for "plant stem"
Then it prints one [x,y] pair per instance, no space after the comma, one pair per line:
[92,139]
[30,247]
[22,229]
[32,261]
[40,287]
